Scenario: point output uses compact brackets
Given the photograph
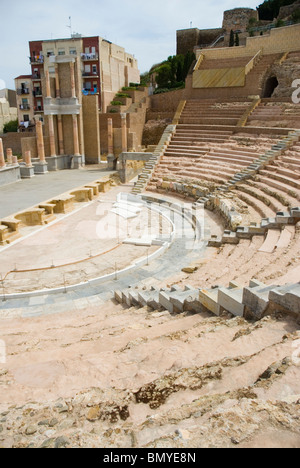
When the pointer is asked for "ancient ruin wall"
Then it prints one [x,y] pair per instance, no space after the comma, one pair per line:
[238,18]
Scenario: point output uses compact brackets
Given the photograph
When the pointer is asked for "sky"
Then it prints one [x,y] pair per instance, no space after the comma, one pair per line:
[145,29]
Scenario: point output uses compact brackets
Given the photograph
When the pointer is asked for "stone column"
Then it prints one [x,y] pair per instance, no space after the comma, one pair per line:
[48,88]
[28,159]
[60,135]
[2,160]
[15,161]
[51,136]
[72,71]
[111,161]
[9,155]
[40,142]
[124,133]
[57,87]
[75,136]
[110,141]
[27,171]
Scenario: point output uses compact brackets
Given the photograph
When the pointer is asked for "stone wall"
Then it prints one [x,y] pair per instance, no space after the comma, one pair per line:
[279,40]
[167,102]
[288,10]
[7,113]
[238,18]
[13,140]
[285,74]
[187,39]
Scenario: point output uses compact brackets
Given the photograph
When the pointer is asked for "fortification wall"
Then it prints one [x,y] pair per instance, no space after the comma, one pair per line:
[279,40]
[238,18]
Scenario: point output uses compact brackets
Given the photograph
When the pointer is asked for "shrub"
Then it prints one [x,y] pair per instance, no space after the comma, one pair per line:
[123,95]
[113,111]
[11,126]
[116,103]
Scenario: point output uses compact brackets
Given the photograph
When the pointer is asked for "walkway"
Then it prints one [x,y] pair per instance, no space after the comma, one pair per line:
[29,192]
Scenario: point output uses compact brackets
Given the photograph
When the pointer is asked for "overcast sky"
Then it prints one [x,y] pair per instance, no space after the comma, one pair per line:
[146,29]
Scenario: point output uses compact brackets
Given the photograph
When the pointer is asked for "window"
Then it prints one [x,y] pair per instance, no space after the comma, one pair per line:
[94,69]
[61,52]
[26,118]
[88,85]
[72,51]
[49,53]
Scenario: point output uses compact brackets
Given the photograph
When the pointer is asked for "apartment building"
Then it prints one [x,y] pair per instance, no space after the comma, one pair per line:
[25,101]
[104,67]
[72,81]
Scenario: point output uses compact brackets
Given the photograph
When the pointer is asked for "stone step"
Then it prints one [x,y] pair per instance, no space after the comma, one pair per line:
[284,171]
[228,154]
[271,241]
[287,297]
[278,186]
[281,178]
[211,120]
[191,140]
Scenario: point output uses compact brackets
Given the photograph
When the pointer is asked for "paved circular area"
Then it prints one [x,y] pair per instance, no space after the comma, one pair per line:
[84,244]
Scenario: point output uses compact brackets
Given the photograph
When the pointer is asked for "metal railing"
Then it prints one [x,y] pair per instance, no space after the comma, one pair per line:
[23,91]
[89,56]
[37,92]
[24,106]
[36,59]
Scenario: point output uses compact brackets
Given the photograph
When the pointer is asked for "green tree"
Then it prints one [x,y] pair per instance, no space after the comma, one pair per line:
[164,76]
[237,40]
[269,9]
[231,40]
[11,126]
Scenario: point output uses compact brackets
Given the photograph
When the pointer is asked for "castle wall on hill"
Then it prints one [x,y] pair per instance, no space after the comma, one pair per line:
[238,19]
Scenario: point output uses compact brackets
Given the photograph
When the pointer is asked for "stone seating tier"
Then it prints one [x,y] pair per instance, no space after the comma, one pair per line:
[253,302]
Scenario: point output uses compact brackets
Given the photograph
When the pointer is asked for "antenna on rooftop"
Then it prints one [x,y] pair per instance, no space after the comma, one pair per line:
[70,25]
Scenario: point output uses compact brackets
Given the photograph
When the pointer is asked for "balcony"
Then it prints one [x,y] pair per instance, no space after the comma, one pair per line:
[24,106]
[36,76]
[36,59]
[21,91]
[38,109]
[89,92]
[85,57]
[37,92]
[90,75]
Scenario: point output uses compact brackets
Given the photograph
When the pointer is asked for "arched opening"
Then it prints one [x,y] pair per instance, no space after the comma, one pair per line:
[270,86]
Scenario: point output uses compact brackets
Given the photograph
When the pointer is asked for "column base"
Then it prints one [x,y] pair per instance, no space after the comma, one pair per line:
[76,161]
[112,162]
[26,172]
[40,168]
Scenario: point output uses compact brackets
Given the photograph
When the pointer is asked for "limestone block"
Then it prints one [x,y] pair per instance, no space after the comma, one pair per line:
[33,217]
[63,204]
[83,194]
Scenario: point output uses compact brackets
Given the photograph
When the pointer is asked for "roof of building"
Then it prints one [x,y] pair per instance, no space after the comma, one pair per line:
[22,76]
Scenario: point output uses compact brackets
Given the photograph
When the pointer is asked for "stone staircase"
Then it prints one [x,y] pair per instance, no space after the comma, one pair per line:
[252,302]
[276,113]
[210,112]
